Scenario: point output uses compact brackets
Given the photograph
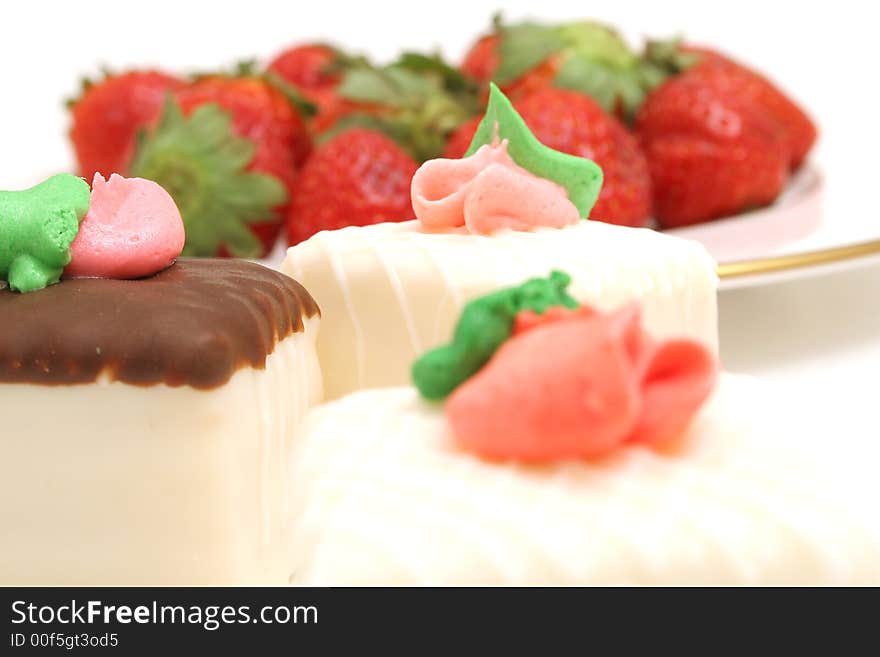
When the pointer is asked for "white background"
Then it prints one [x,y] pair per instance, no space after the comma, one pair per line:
[821,333]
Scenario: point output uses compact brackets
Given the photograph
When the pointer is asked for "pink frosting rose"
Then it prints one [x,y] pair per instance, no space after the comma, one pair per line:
[579,384]
[487,192]
[132,229]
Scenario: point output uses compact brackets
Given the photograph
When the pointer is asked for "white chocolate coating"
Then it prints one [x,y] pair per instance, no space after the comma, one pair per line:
[756,493]
[109,483]
[389,292]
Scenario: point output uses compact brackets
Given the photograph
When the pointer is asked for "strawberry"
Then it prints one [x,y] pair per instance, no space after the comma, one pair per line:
[309,67]
[482,60]
[228,149]
[333,109]
[316,70]
[720,70]
[418,101]
[460,140]
[411,99]
[358,177]
[711,149]
[583,56]
[259,112]
[107,116]
[573,123]
[797,128]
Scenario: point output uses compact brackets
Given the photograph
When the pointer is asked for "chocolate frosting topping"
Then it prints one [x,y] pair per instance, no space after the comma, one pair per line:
[196,324]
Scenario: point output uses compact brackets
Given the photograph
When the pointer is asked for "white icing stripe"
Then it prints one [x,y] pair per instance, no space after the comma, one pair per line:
[384,497]
[451,291]
[342,283]
[375,246]
[449,284]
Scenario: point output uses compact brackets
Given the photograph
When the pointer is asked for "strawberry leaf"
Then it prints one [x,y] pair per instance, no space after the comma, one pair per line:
[651,75]
[668,56]
[525,46]
[451,78]
[409,101]
[368,85]
[598,43]
[594,60]
[590,78]
[613,89]
[202,163]
[391,86]
[359,120]
[413,89]
[294,96]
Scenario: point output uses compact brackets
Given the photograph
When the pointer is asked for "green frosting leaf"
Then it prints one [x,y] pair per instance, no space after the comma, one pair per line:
[203,165]
[581,178]
[37,227]
[485,324]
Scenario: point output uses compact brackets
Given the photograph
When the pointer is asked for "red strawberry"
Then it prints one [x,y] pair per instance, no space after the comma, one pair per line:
[797,128]
[228,151]
[461,139]
[309,67]
[333,108]
[260,113]
[721,71]
[573,123]
[357,178]
[711,149]
[482,60]
[316,70]
[108,115]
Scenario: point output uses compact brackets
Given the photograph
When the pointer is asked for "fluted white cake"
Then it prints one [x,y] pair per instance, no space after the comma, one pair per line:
[754,494]
[389,292]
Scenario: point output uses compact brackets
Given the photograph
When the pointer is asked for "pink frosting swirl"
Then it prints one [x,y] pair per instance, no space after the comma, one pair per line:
[132,229]
[487,192]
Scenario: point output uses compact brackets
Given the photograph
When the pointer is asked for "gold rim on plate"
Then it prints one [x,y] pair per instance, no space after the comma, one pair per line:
[797,260]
